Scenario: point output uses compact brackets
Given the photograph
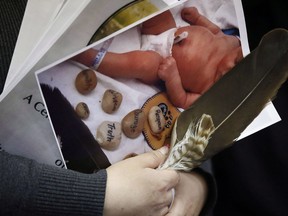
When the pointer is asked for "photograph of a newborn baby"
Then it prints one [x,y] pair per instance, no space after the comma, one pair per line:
[167,61]
[188,59]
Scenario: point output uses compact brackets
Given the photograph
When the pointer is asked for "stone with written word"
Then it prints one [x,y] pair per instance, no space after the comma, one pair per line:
[156,120]
[86,81]
[109,135]
[111,101]
[82,110]
[133,123]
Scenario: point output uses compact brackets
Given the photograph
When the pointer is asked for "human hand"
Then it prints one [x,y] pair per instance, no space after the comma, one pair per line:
[190,195]
[168,70]
[135,187]
[180,97]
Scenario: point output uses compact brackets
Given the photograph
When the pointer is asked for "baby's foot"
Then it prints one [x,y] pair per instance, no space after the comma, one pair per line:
[168,69]
[193,17]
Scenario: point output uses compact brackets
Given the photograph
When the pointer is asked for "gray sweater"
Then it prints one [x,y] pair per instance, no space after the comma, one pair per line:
[30,188]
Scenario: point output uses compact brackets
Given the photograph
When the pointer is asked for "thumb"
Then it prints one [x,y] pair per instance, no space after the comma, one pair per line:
[154,158]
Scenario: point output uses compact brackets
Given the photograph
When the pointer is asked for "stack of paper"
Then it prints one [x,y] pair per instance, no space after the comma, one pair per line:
[54,31]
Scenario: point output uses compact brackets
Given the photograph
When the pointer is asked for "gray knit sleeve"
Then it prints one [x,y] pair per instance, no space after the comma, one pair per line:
[30,188]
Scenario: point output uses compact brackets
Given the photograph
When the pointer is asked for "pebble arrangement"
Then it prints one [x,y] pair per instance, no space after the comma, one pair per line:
[108,134]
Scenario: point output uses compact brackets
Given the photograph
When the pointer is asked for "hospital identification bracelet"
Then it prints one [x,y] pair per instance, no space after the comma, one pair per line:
[101,54]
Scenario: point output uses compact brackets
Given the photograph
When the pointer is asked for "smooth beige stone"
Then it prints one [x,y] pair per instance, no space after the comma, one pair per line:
[82,110]
[111,101]
[86,81]
[109,135]
[156,120]
[133,123]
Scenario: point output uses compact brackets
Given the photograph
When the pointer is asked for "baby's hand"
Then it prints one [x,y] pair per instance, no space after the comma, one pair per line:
[168,72]
[168,69]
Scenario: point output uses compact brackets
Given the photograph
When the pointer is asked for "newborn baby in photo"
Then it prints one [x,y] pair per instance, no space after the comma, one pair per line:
[188,59]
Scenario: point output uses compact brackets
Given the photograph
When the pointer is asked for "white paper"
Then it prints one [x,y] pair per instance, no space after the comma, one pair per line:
[62,76]
[25,129]
[38,16]
[65,18]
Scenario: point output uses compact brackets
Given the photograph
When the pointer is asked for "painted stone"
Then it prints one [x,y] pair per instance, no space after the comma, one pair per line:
[156,120]
[109,135]
[133,123]
[86,81]
[82,110]
[111,101]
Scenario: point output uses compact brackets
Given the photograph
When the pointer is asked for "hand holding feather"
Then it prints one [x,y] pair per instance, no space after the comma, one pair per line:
[218,117]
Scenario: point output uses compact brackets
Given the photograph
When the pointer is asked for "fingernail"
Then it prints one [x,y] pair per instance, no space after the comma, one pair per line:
[164,150]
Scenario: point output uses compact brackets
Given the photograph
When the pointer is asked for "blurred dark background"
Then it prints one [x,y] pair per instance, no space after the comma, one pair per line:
[263,16]
[252,175]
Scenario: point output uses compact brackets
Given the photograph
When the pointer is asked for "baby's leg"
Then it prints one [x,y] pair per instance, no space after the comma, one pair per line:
[168,72]
[158,24]
[193,17]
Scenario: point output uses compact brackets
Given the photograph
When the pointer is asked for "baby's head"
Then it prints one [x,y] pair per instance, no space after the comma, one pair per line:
[204,56]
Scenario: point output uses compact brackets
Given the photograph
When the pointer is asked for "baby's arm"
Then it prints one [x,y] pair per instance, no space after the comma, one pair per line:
[142,65]
[168,72]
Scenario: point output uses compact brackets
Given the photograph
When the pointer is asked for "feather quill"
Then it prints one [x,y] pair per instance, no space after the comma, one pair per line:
[231,104]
